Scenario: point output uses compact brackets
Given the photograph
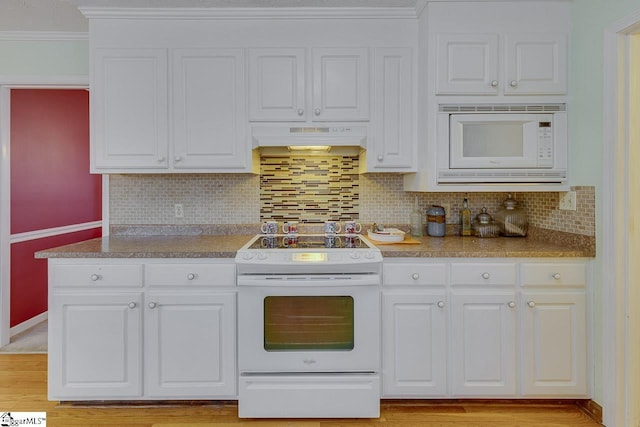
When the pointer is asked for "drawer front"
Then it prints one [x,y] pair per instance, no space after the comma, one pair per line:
[414,274]
[483,273]
[95,275]
[550,274]
[190,274]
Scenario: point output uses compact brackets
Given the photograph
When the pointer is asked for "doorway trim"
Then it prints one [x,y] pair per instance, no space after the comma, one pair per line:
[619,354]
[7,83]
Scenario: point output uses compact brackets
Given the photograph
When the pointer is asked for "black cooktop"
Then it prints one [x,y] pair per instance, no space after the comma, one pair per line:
[304,241]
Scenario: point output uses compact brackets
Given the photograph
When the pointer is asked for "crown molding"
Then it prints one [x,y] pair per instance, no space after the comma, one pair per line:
[93,12]
[42,36]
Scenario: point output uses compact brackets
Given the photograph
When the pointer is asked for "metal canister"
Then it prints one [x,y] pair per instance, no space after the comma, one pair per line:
[436,221]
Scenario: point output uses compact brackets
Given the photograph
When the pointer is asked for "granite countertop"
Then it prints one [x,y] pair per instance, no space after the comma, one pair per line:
[225,246]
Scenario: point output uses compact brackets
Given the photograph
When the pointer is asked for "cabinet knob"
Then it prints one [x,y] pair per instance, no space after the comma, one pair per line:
[152,305]
[160,159]
[556,276]
[415,276]
[132,305]
[191,276]
[440,304]
[317,111]
[513,83]
[531,304]
[511,304]
[486,275]
[494,83]
[177,158]
[95,277]
[300,112]
[380,157]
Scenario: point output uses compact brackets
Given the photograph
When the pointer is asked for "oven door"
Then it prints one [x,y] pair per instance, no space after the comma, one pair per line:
[309,324]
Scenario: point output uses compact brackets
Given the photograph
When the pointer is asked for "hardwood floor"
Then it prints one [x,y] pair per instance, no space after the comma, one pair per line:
[23,387]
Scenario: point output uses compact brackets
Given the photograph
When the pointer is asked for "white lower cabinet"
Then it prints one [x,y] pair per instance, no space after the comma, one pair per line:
[414,342]
[95,345]
[189,343]
[115,336]
[483,343]
[500,328]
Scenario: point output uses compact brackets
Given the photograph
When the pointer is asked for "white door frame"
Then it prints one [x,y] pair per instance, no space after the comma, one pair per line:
[6,84]
[620,333]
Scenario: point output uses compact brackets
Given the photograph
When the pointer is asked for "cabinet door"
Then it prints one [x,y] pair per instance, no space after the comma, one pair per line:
[95,349]
[340,84]
[393,142]
[483,359]
[129,109]
[208,110]
[277,84]
[536,64]
[467,64]
[414,342]
[554,347]
[190,345]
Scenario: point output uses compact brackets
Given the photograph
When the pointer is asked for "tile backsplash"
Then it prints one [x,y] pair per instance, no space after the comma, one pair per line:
[315,189]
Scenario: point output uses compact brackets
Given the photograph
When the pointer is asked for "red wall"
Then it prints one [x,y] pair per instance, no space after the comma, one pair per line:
[50,185]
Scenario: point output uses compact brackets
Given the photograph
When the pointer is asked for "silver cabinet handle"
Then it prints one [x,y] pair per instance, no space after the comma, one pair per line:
[191,276]
[486,275]
[494,83]
[152,305]
[300,112]
[531,304]
[513,83]
[440,304]
[511,304]
[132,305]
[317,111]
[95,277]
[415,276]
[556,276]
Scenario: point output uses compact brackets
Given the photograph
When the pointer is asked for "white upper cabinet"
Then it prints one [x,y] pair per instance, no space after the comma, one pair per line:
[508,64]
[208,109]
[277,84]
[129,109]
[281,89]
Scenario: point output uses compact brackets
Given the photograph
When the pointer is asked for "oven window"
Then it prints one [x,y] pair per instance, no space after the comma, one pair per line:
[308,323]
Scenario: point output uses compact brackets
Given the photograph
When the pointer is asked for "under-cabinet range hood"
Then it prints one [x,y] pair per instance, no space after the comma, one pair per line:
[309,140]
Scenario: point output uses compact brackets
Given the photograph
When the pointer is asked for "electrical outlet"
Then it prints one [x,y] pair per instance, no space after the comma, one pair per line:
[179,210]
[446,206]
[568,201]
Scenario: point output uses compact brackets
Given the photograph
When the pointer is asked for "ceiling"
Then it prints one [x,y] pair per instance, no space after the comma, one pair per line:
[63,15]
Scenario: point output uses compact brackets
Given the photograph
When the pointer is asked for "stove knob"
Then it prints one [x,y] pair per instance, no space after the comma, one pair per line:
[262,256]
[354,255]
[370,254]
[247,255]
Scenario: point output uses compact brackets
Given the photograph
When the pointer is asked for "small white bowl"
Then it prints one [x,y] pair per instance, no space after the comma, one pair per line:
[389,235]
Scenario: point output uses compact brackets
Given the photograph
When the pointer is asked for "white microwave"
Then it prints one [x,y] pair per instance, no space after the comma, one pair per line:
[502,144]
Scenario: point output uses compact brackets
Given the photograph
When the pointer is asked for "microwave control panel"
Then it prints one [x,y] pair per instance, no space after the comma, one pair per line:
[545,144]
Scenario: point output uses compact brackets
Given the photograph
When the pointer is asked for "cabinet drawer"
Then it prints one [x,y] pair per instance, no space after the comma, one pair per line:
[561,273]
[414,274]
[483,273]
[129,275]
[190,274]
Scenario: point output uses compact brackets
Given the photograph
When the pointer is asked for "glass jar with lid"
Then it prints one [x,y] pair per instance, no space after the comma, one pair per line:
[512,218]
[484,225]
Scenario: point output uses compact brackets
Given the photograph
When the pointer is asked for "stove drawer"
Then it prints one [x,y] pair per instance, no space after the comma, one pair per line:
[410,274]
[190,274]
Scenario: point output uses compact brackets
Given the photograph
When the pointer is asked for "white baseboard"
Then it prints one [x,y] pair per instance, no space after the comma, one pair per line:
[29,323]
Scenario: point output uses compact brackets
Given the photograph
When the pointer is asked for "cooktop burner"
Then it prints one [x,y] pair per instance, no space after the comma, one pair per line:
[308,241]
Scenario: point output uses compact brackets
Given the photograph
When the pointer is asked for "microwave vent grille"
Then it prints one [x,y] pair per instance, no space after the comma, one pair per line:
[475,176]
[502,108]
